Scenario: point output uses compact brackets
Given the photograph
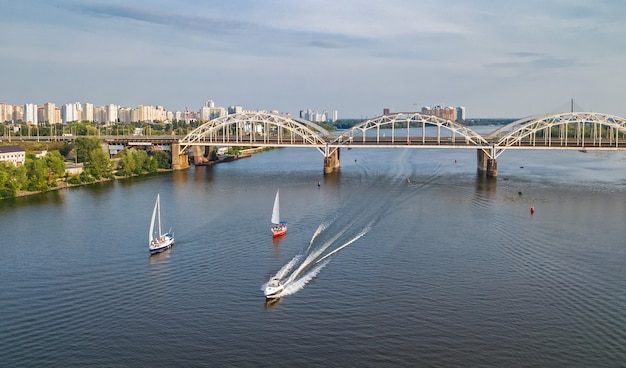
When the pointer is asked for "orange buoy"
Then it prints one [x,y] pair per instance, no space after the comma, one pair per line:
[532,210]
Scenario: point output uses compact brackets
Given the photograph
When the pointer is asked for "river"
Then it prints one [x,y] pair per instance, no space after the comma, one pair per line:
[432,265]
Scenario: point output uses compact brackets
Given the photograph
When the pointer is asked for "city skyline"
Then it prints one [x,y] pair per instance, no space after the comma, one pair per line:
[499,60]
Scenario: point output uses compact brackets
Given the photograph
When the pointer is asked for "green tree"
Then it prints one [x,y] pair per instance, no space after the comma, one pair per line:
[84,146]
[55,164]
[127,164]
[12,179]
[99,165]
[153,165]
[141,160]
[37,173]
[163,159]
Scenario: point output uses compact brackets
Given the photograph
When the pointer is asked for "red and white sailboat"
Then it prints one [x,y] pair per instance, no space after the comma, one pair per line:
[280,227]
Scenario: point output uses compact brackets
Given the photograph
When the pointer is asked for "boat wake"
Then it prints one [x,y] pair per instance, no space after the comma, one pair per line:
[304,266]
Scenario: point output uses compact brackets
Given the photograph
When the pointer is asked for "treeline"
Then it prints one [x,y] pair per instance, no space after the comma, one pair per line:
[44,173]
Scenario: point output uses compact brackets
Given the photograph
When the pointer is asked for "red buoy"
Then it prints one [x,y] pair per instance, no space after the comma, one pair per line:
[532,210]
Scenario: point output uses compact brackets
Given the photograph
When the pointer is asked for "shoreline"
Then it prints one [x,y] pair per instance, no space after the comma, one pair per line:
[65,185]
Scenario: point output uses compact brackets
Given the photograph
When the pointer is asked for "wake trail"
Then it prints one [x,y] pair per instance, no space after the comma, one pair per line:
[314,261]
[360,235]
[319,230]
[300,283]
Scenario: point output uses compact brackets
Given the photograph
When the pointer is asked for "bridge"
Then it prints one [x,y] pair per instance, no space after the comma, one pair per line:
[563,131]
[406,130]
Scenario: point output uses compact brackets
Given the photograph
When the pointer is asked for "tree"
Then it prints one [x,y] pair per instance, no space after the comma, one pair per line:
[127,164]
[37,173]
[84,146]
[55,165]
[141,160]
[99,165]
[163,159]
[12,179]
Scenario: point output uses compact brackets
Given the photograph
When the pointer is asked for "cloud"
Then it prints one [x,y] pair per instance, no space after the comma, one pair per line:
[353,54]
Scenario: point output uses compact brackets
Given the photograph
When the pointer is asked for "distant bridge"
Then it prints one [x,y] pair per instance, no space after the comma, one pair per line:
[562,131]
[576,130]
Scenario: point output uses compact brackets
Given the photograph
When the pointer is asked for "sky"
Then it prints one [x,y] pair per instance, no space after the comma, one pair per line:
[498,59]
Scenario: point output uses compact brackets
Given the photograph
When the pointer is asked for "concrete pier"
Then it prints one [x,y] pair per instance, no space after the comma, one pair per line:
[486,165]
[332,162]
[180,161]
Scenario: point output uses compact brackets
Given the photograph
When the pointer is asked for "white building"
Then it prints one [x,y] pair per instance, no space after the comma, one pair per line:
[68,113]
[216,112]
[235,109]
[111,113]
[49,113]
[13,154]
[30,113]
[88,112]
[205,113]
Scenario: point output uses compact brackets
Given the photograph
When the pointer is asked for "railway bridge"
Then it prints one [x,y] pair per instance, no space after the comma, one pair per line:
[409,130]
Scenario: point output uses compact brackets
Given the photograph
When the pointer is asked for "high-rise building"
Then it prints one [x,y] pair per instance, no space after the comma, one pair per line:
[448,112]
[79,111]
[49,113]
[111,113]
[235,109]
[18,113]
[6,112]
[460,113]
[68,113]
[124,115]
[88,112]
[216,112]
[30,114]
[205,113]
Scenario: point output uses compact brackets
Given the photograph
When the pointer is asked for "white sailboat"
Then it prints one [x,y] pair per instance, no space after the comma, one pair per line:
[158,241]
[280,227]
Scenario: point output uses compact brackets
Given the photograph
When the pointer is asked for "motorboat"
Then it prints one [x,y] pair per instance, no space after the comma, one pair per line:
[274,288]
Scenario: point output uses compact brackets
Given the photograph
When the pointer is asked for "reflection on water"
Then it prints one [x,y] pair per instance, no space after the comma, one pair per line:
[486,184]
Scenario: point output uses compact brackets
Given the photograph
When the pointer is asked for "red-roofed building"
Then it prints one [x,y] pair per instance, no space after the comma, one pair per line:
[13,154]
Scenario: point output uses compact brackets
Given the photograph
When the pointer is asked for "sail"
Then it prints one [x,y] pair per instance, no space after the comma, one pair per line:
[154,214]
[276,211]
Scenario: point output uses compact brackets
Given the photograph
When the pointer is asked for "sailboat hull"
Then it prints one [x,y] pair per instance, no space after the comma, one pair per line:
[279,230]
[166,243]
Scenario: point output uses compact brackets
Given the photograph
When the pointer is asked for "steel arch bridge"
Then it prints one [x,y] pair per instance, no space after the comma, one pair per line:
[408,120]
[257,129]
[574,130]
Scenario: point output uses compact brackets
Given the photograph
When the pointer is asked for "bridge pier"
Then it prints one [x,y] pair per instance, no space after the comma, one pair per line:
[331,161]
[180,161]
[486,164]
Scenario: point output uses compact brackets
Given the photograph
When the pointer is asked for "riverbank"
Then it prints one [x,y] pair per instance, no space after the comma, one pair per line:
[62,184]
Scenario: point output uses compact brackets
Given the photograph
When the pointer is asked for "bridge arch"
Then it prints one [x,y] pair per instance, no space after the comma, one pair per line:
[256,129]
[410,120]
[578,129]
